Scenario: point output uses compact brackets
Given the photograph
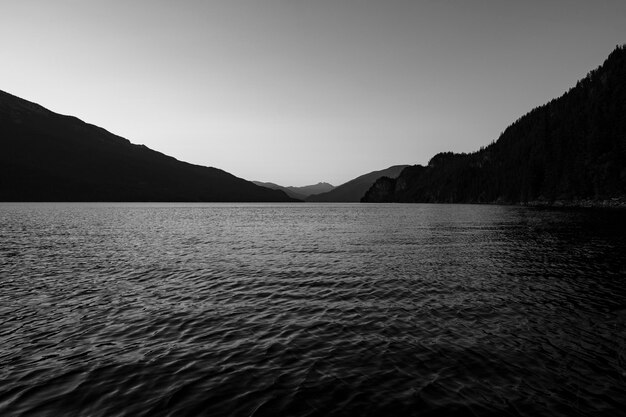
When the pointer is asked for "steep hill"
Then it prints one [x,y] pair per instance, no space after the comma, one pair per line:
[45,156]
[353,190]
[570,151]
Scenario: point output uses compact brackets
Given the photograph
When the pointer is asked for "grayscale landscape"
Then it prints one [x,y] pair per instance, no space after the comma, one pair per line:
[323,208]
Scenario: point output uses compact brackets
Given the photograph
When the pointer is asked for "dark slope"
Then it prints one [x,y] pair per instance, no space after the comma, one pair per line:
[286,190]
[569,151]
[353,190]
[45,156]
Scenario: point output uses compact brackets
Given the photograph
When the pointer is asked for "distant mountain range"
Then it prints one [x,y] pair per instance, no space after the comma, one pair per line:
[354,190]
[298,192]
[46,156]
[570,151]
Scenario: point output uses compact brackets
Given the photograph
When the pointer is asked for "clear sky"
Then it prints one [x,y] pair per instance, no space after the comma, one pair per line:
[301,91]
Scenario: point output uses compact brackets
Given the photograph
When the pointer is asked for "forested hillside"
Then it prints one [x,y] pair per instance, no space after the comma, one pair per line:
[569,150]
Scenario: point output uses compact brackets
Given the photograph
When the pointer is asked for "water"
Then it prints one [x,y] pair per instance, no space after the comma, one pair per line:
[311,310]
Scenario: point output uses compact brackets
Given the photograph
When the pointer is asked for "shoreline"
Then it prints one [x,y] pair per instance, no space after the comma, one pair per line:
[613,203]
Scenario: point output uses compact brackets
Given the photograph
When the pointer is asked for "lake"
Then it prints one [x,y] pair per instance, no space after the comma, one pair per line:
[311,310]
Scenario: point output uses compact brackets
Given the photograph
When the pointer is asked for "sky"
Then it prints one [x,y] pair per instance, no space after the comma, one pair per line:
[302,91]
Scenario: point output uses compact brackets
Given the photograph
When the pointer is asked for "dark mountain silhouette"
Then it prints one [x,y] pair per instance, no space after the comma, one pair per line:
[286,190]
[46,156]
[570,151]
[353,190]
[307,190]
[299,193]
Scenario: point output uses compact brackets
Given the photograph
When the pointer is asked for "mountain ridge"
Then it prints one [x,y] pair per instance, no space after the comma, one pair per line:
[298,192]
[569,151]
[46,156]
[353,190]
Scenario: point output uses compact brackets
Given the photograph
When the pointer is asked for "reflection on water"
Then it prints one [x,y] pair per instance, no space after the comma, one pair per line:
[242,309]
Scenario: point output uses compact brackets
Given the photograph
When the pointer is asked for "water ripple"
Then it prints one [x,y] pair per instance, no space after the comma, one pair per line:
[311,310]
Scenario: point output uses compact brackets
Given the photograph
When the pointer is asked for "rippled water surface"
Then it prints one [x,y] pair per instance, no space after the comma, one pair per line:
[264,310]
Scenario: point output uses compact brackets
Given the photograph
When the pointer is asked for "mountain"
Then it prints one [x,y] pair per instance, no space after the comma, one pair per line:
[353,190]
[45,156]
[299,193]
[307,190]
[570,151]
[286,190]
